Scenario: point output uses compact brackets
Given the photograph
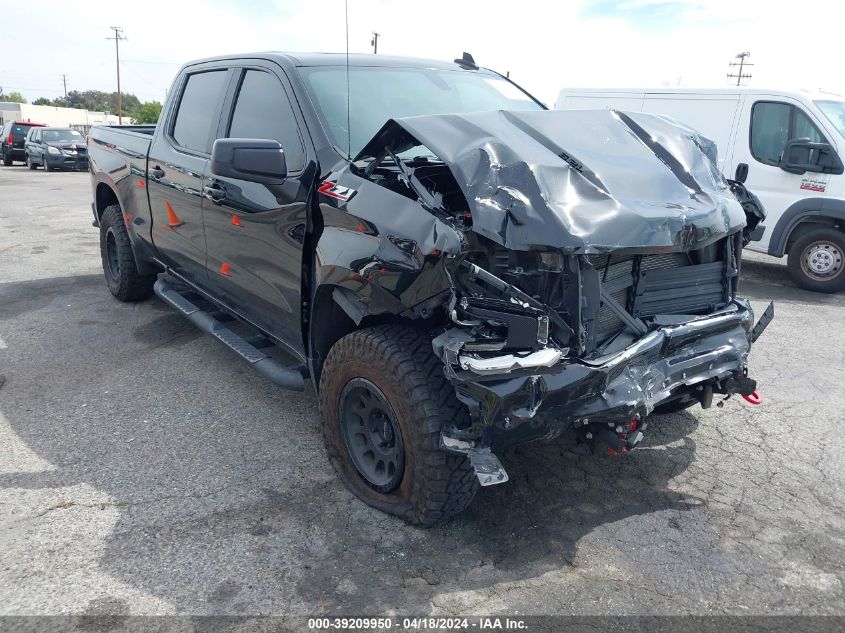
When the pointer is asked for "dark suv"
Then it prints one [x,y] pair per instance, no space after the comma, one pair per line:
[56,148]
[13,135]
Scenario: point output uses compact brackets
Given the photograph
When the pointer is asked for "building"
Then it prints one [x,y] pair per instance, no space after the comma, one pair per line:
[57,117]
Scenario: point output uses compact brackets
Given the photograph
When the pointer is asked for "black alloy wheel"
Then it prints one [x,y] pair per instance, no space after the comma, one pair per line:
[372,435]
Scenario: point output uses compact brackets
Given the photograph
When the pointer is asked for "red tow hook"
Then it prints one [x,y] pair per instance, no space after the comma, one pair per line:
[752,398]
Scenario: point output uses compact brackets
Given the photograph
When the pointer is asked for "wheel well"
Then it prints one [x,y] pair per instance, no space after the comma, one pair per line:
[104,197]
[810,223]
[330,323]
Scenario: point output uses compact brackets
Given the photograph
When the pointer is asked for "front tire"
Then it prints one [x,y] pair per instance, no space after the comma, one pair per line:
[817,260]
[46,164]
[383,401]
[122,276]
[29,162]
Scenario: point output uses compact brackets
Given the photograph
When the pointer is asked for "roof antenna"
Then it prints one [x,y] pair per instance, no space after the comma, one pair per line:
[466,62]
[348,126]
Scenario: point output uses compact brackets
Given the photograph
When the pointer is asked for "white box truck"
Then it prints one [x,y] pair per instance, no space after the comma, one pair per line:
[786,146]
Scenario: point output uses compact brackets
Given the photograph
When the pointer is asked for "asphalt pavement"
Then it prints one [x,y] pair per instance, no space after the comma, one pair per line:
[145,470]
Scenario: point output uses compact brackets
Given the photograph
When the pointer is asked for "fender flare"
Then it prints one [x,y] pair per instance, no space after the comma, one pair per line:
[797,213]
[146,265]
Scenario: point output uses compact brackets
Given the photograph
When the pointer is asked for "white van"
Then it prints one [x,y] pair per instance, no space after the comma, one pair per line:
[786,146]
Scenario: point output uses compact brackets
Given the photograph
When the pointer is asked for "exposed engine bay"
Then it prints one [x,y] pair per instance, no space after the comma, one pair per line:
[580,268]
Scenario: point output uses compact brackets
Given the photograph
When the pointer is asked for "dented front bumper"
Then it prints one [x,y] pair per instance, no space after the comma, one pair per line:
[699,357]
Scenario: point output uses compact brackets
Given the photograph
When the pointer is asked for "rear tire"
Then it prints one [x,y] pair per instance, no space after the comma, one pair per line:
[410,400]
[817,260]
[121,271]
[7,160]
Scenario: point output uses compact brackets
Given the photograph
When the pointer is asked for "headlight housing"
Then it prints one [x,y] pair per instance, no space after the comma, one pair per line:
[53,150]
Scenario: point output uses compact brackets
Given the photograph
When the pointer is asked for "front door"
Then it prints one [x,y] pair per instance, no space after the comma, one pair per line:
[255,231]
[769,125]
[178,159]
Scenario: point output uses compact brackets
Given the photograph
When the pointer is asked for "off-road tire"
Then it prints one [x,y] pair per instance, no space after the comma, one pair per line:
[796,255]
[7,160]
[435,484]
[29,163]
[122,276]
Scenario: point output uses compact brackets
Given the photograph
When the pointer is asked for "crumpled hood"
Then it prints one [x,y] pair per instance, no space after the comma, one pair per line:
[585,181]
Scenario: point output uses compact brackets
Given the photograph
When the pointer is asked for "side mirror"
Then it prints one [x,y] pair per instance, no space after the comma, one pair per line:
[801,155]
[254,160]
[741,172]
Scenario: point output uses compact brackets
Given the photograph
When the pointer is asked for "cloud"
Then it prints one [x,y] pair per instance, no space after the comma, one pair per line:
[544,45]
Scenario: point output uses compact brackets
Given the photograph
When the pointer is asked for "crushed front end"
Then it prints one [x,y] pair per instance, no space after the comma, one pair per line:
[652,329]
[591,260]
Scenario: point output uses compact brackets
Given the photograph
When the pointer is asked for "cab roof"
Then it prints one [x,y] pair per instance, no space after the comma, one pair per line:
[339,59]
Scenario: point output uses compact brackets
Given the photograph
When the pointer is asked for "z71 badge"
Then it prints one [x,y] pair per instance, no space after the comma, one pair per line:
[334,190]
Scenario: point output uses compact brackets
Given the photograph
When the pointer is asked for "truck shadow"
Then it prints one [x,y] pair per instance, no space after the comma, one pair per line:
[220,506]
[513,532]
[768,280]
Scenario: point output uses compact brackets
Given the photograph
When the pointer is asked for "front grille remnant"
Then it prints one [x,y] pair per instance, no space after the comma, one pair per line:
[662,283]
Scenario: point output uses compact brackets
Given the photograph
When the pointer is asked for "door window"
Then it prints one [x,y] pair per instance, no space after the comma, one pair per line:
[263,111]
[198,110]
[773,124]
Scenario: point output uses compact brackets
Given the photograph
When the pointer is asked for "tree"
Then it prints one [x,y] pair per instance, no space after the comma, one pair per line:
[43,101]
[14,96]
[147,112]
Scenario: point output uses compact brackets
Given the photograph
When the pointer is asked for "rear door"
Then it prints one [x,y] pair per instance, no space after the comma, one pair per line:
[31,145]
[177,160]
[19,133]
[254,231]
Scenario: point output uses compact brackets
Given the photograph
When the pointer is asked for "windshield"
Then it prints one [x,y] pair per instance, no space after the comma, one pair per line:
[60,136]
[379,93]
[835,113]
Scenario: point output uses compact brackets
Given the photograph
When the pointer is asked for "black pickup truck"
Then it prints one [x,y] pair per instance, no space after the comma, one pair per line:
[454,267]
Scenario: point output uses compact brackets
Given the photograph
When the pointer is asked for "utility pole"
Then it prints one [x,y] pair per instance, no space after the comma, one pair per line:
[64,82]
[742,64]
[118,35]
[374,43]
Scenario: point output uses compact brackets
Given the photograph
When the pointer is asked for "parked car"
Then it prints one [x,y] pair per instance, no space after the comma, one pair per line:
[13,140]
[788,146]
[56,148]
[452,266]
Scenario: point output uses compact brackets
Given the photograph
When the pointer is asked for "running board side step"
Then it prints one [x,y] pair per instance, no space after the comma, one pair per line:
[270,368]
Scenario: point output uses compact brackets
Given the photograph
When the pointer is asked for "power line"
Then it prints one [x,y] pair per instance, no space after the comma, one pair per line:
[118,35]
[144,61]
[742,63]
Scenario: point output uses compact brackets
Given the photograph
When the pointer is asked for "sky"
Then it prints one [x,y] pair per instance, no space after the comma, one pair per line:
[544,45]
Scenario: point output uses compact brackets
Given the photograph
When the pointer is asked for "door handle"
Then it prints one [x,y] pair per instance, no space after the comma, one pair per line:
[215,192]
[156,173]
